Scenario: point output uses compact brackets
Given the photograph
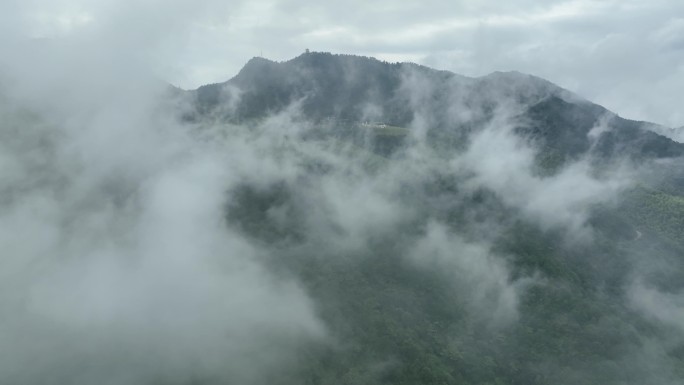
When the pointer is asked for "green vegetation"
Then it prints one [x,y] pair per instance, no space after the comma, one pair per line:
[394,322]
[658,212]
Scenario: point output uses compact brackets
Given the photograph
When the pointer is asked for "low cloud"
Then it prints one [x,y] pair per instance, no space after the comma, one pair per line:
[481,279]
[118,266]
[503,162]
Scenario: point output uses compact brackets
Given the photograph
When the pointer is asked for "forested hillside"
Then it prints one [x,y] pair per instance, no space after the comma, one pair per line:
[519,232]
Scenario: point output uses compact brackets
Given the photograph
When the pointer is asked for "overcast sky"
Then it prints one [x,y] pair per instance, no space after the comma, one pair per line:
[627,55]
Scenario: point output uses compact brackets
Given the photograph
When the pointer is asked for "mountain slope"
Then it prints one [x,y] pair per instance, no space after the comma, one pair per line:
[499,240]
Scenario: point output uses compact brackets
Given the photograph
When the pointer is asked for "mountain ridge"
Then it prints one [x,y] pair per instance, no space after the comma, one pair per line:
[357,88]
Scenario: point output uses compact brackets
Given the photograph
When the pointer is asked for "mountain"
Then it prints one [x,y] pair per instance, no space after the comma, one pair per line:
[333,219]
[491,230]
[356,89]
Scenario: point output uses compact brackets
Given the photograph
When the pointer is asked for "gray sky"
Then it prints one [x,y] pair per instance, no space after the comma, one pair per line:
[627,55]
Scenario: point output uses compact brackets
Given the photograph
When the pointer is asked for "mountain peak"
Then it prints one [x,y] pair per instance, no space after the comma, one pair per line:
[256,65]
